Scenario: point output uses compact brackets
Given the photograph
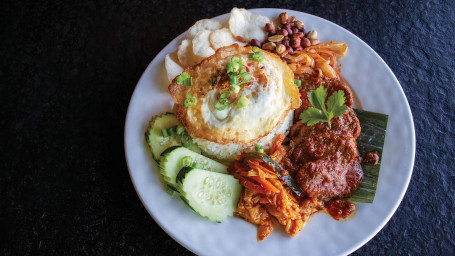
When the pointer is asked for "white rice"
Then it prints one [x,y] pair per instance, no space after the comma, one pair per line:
[232,150]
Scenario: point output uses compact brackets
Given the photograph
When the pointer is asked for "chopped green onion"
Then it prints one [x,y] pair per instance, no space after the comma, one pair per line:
[256,54]
[233,79]
[243,102]
[225,95]
[213,81]
[164,133]
[297,82]
[236,59]
[235,88]
[186,140]
[259,148]
[245,77]
[189,101]
[240,78]
[233,67]
[180,130]
[171,131]
[187,161]
[185,79]
[222,103]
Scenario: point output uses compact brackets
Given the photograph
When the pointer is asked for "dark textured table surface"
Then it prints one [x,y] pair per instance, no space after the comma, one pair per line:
[67,72]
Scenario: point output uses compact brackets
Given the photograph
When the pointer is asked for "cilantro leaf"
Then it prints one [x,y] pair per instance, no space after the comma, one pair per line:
[335,100]
[340,110]
[317,98]
[319,112]
[335,103]
[312,116]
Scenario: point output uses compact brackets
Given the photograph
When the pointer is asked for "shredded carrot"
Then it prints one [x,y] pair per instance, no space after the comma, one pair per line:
[253,172]
[265,184]
[279,139]
[247,183]
[263,200]
[254,164]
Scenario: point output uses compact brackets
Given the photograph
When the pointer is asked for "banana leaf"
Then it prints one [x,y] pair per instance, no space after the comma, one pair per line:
[371,138]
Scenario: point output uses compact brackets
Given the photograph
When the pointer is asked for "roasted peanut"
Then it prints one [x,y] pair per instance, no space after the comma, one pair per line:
[300,34]
[275,38]
[290,32]
[291,19]
[305,42]
[315,42]
[270,46]
[298,24]
[280,49]
[313,34]
[255,42]
[270,27]
[295,41]
[283,18]
[289,49]
[284,32]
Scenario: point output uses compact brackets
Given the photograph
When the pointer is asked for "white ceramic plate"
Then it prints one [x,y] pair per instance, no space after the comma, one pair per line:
[377,89]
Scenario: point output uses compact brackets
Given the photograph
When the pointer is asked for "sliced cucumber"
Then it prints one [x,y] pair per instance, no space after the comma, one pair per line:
[171,161]
[157,142]
[210,194]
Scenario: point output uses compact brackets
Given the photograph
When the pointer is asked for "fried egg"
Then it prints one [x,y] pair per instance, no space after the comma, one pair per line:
[271,93]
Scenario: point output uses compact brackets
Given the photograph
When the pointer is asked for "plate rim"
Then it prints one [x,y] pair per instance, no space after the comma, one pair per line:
[257,10]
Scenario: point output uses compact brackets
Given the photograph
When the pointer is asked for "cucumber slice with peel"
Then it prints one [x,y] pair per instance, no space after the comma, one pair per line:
[171,163]
[210,194]
[155,139]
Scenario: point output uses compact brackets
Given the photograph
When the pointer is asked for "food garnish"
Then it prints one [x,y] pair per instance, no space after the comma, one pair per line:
[190,101]
[259,148]
[164,133]
[319,112]
[256,54]
[237,74]
[185,79]
[238,79]
[222,102]
[297,82]
[243,102]
[187,161]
